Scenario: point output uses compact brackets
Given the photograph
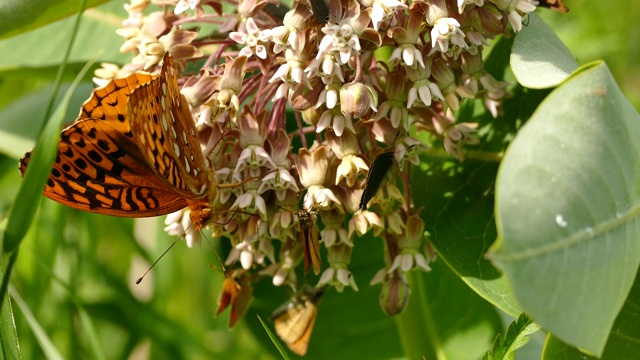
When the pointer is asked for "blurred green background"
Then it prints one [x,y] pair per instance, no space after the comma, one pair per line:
[76,271]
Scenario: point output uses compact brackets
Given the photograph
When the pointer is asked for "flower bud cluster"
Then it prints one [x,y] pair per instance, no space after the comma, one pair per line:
[350,103]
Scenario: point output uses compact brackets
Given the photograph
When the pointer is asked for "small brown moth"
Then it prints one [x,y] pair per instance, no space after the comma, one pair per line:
[294,320]
[310,237]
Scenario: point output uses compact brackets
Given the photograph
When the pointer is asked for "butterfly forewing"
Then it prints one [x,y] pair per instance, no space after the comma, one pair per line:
[108,102]
[100,170]
[164,131]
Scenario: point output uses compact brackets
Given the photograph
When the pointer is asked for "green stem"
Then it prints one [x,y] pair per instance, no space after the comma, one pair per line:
[416,326]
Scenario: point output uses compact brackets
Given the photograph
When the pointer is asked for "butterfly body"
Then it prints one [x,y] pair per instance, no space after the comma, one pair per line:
[133,152]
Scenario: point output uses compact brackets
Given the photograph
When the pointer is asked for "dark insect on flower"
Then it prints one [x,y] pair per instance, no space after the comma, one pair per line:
[310,237]
[294,319]
[320,10]
[556,5]
[379,169]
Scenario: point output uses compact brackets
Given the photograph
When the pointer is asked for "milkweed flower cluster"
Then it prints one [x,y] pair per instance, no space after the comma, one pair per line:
[344,87]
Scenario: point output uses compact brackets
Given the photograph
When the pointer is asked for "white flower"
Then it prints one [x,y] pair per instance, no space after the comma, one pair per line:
[282,273]
[334,236]
[341,40]
[424,91]
[253,40]
[329,96]
[280,181]
[291,74]
[383,10]
[243,252]
[183,5]
[447,30]
[339,121]
[252,157]
[463,3]
[339,277]
[515,16]
[179,224]
[327,68]
[350,167]
[251,202]
[408,53]
[408,260]
[361,222]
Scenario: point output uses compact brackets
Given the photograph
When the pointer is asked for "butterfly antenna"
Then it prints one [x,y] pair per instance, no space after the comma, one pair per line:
[224,269]
[157,260]
[182,236]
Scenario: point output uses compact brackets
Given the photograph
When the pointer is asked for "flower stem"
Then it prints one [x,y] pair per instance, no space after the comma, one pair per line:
[416,326]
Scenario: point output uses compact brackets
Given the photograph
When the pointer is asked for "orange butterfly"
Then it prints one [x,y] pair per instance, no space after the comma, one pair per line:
[294,320]
[134,151]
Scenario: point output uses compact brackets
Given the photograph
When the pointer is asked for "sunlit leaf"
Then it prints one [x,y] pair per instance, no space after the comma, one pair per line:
[539,59]
[567,209]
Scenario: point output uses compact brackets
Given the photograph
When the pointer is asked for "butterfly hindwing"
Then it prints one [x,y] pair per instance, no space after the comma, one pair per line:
[99,170]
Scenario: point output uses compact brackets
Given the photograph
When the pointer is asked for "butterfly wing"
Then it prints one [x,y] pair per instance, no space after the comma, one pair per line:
[238,293]
[109,102]
[294,320]
[164,131]
[303,328]
[100,170]
[310,238]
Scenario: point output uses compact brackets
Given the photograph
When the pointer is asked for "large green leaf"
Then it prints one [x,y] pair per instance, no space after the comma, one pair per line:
[539,59]
[458,196]
[19,16]
[96,37]
[459,214]
[624,339]
[567,209]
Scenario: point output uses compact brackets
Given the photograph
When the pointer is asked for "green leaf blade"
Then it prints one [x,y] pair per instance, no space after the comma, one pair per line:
[36,175]
[539,59]
[567,209]
[23,15]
